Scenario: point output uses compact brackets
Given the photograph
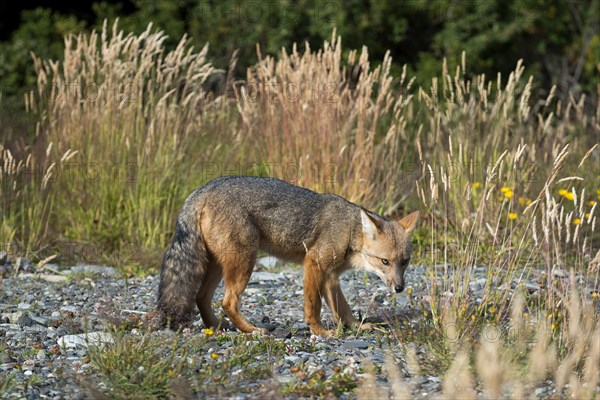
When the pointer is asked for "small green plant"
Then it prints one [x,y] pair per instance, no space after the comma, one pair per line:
[6,383]
[139,367]
[318,384]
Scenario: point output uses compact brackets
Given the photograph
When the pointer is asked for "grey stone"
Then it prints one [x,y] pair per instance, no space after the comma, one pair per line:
[94,269]
[11,317]
[262,276]
[532,287]
[85,339]
[39,320]
[24,320]
[355,344]
[269,262]
[540,391]
[53,278]
[560,273]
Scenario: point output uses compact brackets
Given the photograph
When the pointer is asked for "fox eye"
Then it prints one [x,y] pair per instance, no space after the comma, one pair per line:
[385,261]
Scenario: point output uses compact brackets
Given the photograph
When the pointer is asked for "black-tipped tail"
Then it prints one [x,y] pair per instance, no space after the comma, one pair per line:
[181,274]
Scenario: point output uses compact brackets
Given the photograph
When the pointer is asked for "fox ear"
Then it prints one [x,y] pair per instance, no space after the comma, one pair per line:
[409,222]
[369,224]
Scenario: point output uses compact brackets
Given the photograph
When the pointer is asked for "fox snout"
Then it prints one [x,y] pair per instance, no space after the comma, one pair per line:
[396,285]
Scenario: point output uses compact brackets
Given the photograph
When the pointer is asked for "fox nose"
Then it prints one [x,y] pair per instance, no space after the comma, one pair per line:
[399,288]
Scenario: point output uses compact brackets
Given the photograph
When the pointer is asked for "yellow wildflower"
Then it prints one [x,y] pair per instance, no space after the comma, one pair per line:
[512,216]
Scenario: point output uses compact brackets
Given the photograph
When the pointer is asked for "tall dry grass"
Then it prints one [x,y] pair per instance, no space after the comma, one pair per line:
[332,124]
[127,127]
[514,363]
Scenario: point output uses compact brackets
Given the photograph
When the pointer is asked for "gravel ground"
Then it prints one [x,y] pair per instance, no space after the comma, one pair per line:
[44,315]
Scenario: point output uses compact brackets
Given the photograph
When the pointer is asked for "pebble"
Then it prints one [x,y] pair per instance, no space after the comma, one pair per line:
[84,340]
[356,344]
[94,269]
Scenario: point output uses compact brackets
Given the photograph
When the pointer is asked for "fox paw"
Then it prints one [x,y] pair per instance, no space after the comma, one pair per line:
[322,332]
[365,326]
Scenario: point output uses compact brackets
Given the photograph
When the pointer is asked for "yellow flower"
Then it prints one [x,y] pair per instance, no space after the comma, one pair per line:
[512,215]
[563,192]
[208,332]
[577,221]
[508,194]
[476,185]
[214,356]
[505,189]
[591,203]
[569,196]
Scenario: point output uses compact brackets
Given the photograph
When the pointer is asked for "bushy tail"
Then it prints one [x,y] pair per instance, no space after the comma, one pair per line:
[182,272]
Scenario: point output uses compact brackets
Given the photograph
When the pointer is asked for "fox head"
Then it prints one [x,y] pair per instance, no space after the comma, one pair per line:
[386,247]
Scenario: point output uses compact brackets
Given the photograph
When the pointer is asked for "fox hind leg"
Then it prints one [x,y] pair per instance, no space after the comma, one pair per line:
[204,297]
[237,269]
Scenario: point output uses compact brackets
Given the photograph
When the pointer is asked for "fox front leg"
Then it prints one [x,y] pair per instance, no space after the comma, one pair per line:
[339,306]
[313,289]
